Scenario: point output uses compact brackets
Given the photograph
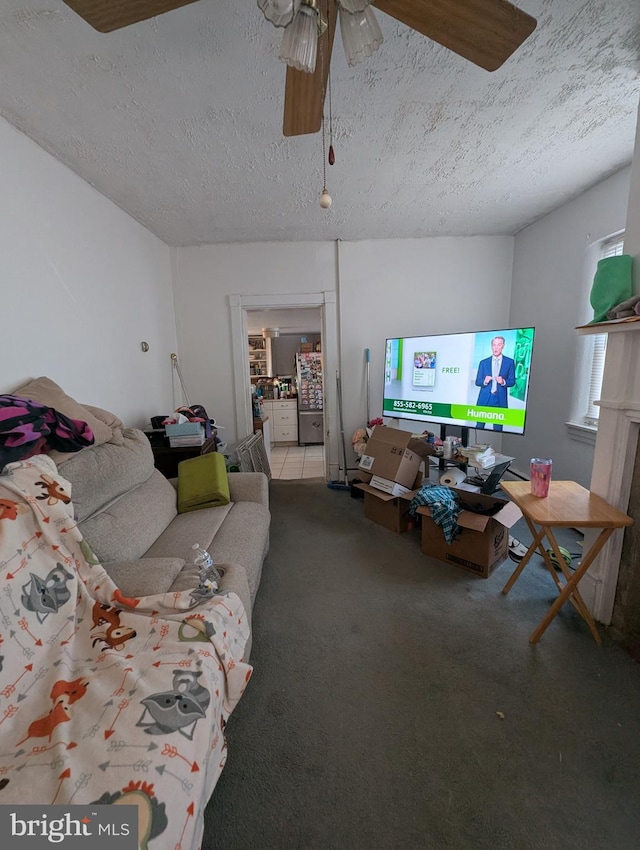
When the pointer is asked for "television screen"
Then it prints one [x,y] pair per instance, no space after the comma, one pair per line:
[477,380]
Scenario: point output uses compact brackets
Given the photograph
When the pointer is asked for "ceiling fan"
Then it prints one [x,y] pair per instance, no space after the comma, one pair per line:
[486,32]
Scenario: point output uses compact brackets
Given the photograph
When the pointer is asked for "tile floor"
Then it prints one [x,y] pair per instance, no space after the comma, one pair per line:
[297,462]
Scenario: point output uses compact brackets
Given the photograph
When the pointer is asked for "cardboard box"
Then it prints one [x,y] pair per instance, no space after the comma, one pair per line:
[483,542]
[388,457]
[392,512]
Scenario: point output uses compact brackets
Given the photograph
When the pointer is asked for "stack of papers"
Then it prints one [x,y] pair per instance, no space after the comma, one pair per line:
[479,455]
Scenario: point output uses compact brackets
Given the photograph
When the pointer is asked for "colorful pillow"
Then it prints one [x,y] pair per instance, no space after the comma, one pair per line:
[47,392]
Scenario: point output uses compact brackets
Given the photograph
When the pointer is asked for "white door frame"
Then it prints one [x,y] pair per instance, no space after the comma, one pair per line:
[327,301]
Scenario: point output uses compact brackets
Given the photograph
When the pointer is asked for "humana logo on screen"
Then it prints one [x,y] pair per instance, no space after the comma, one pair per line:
[478,414]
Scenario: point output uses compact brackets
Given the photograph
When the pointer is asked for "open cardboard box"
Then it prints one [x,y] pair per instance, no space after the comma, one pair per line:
[483,541]
[392,464]
[387,510]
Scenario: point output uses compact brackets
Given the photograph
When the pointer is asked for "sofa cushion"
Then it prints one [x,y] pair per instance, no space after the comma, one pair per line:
[126,528]
[113,422]
[186,529]
[144,576]
[47,392]
[244,539]
[103,473]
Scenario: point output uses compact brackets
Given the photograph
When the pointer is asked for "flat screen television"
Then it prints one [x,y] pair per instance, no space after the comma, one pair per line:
[454,379]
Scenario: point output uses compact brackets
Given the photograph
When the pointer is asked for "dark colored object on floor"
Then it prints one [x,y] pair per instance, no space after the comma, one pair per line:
[356,492]
[338,485]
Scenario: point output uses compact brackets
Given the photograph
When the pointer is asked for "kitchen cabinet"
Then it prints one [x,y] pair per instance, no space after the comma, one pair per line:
[259,357]
[283,414]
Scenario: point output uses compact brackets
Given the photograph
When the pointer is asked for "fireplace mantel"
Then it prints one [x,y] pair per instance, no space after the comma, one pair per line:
[615,452]
[612,327]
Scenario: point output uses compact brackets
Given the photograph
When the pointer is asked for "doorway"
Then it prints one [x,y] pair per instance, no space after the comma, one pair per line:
[252,313]
[294,453]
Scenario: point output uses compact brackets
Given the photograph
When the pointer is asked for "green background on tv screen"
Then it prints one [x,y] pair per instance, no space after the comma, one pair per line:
[522,356]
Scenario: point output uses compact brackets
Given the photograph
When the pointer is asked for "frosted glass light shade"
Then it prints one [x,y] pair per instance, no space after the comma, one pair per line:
[352,6]
[279,12]
[361,34]
[299,46]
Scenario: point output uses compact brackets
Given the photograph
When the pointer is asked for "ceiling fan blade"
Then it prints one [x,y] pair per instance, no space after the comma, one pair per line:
[109,15]
[486,32]
[304,93]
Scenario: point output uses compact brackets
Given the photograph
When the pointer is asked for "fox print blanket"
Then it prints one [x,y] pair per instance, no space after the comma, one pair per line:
[106,699]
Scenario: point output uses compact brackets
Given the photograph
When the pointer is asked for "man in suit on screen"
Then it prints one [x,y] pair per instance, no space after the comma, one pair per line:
[495,375]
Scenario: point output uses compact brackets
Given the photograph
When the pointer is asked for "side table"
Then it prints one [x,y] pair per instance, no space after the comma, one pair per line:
[568,505]
[166,459]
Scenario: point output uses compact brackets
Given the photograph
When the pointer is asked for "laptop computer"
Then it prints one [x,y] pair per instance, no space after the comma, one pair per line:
[491,483]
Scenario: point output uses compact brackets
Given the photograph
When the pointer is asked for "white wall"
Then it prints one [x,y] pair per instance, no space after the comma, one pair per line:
[632,233]
[413,287]
[384,288]
[205,278]
[550,290]
[82,285]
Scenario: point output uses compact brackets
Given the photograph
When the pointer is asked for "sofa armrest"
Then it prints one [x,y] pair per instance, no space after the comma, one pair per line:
[249,487]
[234,580]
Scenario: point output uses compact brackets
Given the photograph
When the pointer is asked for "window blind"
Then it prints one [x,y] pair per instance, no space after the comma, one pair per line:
[610,248]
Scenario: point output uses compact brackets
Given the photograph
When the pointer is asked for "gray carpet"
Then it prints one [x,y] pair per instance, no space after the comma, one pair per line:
[371,720]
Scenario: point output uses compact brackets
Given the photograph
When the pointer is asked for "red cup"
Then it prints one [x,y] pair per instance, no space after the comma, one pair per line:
[540,476]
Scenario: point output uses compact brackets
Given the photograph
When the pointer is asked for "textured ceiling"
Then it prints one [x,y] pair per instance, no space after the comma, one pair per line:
[179,121]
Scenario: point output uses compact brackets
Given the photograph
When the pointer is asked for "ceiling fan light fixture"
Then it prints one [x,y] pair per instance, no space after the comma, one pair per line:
[299,47]
[280,13]
[352,6]
[361,34]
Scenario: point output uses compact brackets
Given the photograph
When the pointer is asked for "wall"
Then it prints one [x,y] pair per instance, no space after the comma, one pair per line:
[550,290]
[83,285]
[413,287]
[387,287]
[285,348]
[632,233]
[205,278]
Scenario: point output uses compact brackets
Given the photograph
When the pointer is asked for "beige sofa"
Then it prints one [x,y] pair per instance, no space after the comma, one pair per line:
[160,670]
[127,513]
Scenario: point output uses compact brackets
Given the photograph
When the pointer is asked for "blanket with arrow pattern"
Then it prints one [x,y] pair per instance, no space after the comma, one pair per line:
[106,699]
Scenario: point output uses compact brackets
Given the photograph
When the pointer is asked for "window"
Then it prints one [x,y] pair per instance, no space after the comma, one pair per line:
[610,248]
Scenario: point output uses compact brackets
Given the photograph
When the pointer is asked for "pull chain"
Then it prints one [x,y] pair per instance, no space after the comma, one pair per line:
[325,198]
[332,156]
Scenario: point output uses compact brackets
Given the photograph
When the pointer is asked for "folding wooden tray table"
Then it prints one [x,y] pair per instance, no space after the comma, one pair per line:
[568,505]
